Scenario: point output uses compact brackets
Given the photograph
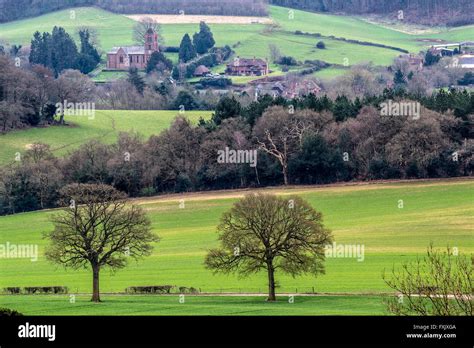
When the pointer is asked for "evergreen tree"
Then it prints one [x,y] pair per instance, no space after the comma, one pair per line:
[56,51]
[399,78]
[89,57]
[343,109]
[136,80]
[186,49]
[204,40]
[63,51]
[431,58]
[227,107]
[159,62]
[185,101]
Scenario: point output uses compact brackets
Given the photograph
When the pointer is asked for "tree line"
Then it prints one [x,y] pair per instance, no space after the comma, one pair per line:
[58,51]
[309,141]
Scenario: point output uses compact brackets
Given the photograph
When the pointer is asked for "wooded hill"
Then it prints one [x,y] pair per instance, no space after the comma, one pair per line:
[429,12]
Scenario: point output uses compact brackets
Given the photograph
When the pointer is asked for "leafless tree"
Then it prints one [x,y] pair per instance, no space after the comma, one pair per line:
[438,284]
[266,232]
[98,228]
[141,27]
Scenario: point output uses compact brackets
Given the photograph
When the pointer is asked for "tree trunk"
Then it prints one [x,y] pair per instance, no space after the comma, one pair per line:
[95,284]
[285,174]
[271,284]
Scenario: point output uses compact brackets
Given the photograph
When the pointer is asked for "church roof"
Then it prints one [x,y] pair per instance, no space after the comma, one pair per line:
[128,50]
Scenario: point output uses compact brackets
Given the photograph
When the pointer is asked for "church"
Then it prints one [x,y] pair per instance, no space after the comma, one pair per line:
[125,57]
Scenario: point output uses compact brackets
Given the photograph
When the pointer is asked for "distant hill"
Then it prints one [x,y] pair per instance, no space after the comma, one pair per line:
[17,9]
[429,12]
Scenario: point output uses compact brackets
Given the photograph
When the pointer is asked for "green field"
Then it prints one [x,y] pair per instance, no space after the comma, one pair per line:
[251,39]
[170,305]
[105,126]
[438,212]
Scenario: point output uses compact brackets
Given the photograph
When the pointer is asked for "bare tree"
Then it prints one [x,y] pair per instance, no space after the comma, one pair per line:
[277,133]
[99,229]
[438,284]
[72,87]
[140,29]
[263,231]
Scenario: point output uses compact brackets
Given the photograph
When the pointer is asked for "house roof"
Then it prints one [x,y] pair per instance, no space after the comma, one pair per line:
[248,62]
[201,69]
[128,50]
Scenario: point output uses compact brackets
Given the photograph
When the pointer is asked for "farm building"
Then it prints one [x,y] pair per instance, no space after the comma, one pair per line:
[201,70]
[125,57]
[247,67]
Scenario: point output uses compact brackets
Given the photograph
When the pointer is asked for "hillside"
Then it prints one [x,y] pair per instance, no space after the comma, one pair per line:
[249,39]
[105,127]
[430,12]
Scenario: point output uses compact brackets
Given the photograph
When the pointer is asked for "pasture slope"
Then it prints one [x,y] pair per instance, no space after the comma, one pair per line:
[436,211]
[104,126]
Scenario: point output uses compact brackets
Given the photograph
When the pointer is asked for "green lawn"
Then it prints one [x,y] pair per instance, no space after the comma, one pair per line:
[106,125]
[170,305]
[368,215]
[329,73]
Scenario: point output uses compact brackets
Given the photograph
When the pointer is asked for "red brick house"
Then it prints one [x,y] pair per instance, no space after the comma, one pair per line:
[125,57]
[247,67]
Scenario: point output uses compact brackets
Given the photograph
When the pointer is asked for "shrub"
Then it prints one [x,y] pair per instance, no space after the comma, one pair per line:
[12,290]
[154,289]
[7,312]
[321,45]
[287,60]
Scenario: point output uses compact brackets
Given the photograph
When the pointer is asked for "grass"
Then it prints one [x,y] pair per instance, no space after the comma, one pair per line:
[106,125]
[109,75]
[170,305]
[440,212]
[329,73]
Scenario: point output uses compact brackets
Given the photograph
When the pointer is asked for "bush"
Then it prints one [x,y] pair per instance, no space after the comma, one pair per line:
[12,290]
[321,45]
[154,289]
[171,49]
[287,60]
[215,82]
[7,312]
[45,290]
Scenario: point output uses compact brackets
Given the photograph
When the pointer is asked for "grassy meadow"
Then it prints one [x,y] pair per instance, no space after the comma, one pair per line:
[105,126]
[439,212]
[193,305]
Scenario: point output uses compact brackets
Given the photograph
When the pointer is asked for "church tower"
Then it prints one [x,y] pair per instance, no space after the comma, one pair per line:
[151,42]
